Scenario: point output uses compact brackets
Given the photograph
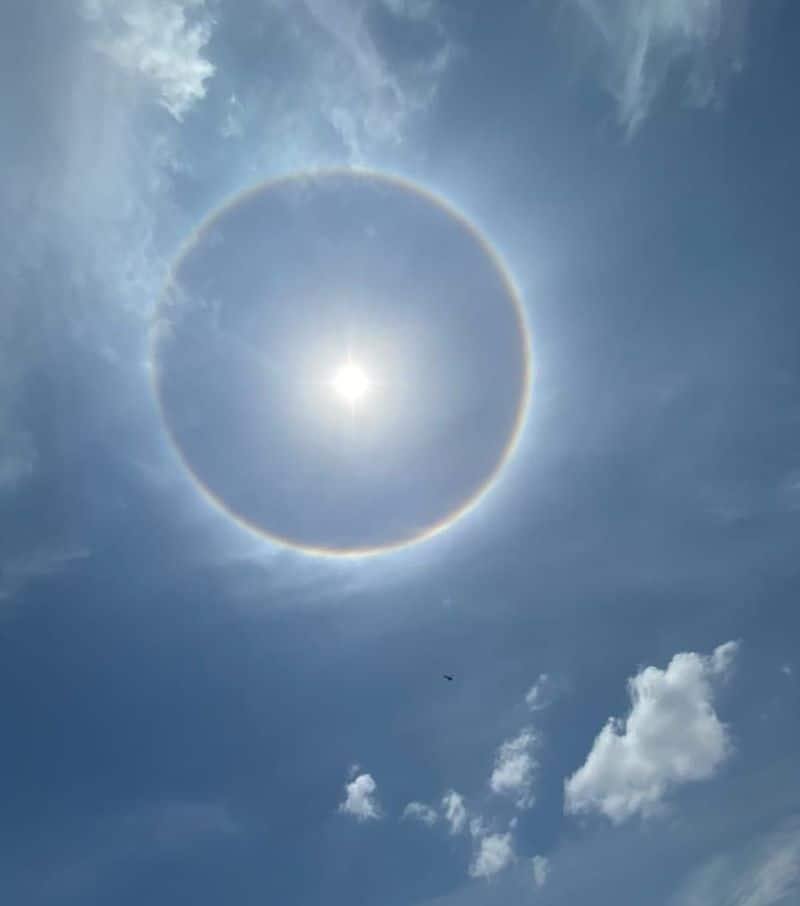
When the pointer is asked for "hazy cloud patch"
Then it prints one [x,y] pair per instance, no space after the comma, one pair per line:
[455,812]
[542,693]
[641,43]
[421,812]
[764,873]
[541,870]
[354,83]
[17,572]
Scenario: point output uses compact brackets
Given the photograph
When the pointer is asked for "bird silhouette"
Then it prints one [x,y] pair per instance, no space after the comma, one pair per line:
[448,677]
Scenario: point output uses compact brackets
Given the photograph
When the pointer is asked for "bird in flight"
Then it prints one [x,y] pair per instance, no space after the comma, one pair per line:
[448,677]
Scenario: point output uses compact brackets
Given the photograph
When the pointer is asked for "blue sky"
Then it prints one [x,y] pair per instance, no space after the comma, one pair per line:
[194,713]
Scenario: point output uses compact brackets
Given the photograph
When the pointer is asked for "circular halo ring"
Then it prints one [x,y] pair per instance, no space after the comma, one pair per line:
[391,181]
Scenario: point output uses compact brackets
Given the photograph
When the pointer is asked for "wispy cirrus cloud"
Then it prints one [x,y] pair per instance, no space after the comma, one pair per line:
[765,872]
[350,81]
[17,572]
[672,736]
[641,43]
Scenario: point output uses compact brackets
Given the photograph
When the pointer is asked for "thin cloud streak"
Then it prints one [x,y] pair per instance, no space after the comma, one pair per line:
[643,42]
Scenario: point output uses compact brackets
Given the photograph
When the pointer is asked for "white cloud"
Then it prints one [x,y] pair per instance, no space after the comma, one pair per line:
[541,694]
[419,811]
[642,42]
[360,800]
[515,769]
[671,736]
[161,41]
[541,870]
[454,811]
[765,872]
[495,853]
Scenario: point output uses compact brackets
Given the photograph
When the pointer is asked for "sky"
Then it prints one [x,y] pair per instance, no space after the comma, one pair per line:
[559,237]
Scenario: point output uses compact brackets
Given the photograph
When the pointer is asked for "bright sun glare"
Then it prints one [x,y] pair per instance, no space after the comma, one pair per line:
[350,383]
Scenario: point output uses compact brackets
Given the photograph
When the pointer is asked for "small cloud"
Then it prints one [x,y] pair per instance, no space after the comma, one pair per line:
[786,670]
[722,658]
[419,811]
[454,811]
[160,41]
[541,694]
[477,828]
[671,736]
[233,126]
[515,768]
[495,853]
[541,870]
[360,800]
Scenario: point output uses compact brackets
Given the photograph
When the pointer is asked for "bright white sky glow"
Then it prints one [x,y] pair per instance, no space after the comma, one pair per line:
[350,382]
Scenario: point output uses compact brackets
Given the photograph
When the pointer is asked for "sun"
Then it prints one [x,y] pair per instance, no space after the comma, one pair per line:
[350,383]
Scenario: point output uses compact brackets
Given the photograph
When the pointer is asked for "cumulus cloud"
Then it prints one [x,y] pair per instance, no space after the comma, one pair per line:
[419,811]
[515,769]
[643,42]
[671,736]
[455,812]
[162,41]
[766,872]
[541,694]
[360,800]
[495,852]
[541,870]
